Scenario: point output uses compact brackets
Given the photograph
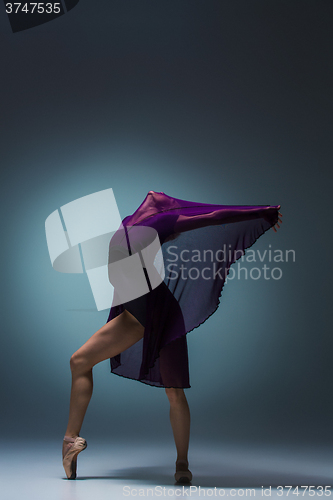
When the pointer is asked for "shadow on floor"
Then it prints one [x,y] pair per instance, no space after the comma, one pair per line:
[229,479]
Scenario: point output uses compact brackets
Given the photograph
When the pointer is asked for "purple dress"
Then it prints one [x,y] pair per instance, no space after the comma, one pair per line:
[199,243]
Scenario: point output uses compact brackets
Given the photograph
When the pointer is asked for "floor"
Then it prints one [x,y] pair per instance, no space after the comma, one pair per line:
[33,471]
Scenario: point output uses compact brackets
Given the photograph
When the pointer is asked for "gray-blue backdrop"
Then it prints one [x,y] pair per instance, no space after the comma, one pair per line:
[226,102]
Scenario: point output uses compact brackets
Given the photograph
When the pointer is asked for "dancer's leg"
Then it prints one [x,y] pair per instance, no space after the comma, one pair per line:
[113,338]
[180,420]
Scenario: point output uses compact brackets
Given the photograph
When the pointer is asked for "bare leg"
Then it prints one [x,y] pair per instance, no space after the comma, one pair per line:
[113,338]
[180,421]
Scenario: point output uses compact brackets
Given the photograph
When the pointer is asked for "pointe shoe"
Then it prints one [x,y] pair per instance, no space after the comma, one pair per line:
[182,475]
[69,461]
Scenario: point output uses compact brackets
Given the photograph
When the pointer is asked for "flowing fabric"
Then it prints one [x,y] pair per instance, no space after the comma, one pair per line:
[199,244]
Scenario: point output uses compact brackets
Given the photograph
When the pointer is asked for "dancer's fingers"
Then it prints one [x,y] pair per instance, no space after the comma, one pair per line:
[280,213]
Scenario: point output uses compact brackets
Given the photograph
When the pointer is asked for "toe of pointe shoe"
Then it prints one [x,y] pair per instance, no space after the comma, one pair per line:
[70,459]
[183,477]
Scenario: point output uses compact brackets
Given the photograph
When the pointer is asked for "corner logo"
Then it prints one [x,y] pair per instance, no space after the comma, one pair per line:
[122,262]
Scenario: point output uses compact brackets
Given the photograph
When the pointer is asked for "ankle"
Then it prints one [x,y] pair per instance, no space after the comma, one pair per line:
[70,437]
[181,464]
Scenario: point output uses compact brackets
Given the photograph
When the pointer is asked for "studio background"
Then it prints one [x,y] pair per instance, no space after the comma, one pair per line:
[210,101]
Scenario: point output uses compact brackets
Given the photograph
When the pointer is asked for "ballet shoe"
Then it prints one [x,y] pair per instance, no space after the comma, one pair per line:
[69,460]
[182,475]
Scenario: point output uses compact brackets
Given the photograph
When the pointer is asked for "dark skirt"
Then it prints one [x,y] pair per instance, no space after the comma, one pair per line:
[159,359]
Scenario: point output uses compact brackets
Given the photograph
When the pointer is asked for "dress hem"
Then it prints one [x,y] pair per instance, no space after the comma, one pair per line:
[147,383]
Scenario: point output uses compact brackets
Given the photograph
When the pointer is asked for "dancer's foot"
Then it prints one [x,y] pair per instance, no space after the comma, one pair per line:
[67,444]
[183,474]
[71,447]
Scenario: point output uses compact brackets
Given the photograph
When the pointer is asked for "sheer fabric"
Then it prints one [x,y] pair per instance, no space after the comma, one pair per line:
[199,244]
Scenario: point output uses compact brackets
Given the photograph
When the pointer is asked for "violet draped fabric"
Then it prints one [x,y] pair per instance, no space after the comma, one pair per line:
[199,244]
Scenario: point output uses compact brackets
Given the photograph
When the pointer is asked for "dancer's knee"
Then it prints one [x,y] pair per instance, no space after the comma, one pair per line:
[175,396]
[79,363]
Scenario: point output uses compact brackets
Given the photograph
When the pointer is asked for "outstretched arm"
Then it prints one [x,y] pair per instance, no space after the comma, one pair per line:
[202,216]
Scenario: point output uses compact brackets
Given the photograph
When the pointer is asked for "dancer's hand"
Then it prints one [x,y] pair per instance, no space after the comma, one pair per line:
[277,224]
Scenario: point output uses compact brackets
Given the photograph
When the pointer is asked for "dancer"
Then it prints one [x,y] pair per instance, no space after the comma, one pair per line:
[145,338]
